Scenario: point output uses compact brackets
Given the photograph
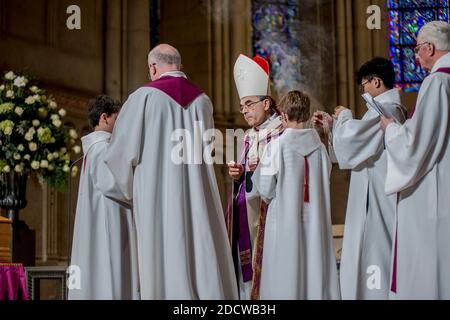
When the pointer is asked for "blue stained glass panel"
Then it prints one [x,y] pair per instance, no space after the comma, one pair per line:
[406,17]
[276,31]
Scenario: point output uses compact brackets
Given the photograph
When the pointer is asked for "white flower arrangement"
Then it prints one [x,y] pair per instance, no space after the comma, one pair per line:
[33,138]
[10,75]
[20,82]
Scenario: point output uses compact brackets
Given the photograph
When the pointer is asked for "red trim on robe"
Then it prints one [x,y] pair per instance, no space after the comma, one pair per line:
[306,182]
[394,264]
[84,163]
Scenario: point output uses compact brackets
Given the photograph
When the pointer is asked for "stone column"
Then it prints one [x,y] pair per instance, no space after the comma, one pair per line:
[126,46]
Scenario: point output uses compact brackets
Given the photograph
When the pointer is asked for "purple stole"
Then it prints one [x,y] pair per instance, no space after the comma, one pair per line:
[394,264]
[238,229]
[178,88]
[241,234]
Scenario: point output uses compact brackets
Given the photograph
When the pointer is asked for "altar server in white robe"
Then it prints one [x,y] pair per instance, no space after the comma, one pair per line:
[358,145]
[418,173]
[104,257]
[298,258]
[160,162]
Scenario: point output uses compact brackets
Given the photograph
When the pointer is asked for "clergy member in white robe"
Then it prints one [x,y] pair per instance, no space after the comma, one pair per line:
[358,145]
[243,214]
[104,257]
[298,257]
[183,248]
[418,173]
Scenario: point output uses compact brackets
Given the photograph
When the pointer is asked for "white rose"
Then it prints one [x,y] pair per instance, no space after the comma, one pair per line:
[18,110]
[6,169]
[50,157]
[29,100]
[27,157]
[63,150]
[44,164]
[51,167]
[16,156]
[52,140]
[20,147]
[39,131]
[62,112]
[18,168]
[36,122]
[20,82]
[53,104]
[32,130]
[10,75]
[37,97]
[9,94]
[34,89]
[66,168]
[2,87]
[28,136]
[55,155]
[73,133]
[76,149]
[8,131]
[35,165]
[54,117]
[57,123]
[32,146]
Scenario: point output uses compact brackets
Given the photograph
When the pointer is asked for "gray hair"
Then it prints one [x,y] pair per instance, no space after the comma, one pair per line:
[165,58]
[437,33]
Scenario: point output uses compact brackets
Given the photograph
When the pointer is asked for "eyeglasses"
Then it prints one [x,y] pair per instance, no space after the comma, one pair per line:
[250,106]
[363,85]
[417,48]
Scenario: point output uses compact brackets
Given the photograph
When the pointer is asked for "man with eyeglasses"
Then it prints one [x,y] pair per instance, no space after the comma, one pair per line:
[243,215]
[369,221]
[418,174]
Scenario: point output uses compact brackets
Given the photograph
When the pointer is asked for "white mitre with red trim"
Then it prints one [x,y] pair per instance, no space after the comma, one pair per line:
[252,76]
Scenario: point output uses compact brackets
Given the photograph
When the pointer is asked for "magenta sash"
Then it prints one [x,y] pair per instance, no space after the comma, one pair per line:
[178,88]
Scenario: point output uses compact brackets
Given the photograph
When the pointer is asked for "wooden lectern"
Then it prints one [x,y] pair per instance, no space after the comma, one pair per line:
[5,239]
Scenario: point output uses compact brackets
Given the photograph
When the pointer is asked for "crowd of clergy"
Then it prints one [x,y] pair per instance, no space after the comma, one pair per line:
[149,227]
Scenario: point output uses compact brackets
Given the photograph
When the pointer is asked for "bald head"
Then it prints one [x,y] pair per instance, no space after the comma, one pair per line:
[165,54]
[163,58]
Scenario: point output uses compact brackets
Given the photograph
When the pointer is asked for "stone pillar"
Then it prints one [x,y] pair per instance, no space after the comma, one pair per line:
[113,52]
[138,43]
[230,36]
[126,46]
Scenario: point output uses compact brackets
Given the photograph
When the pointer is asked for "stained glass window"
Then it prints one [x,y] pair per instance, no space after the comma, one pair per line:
[406,17]
[275,35]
